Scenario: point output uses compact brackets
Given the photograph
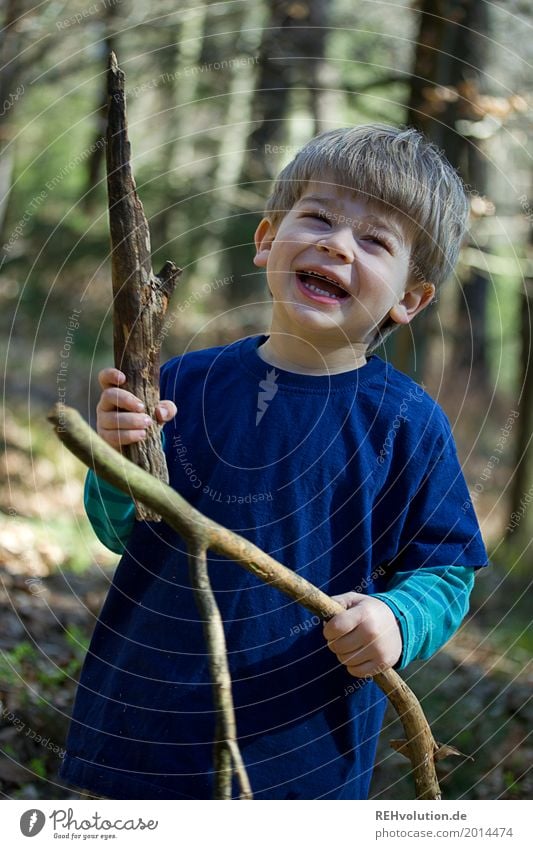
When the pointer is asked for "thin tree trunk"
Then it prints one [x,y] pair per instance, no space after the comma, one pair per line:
[11,90]
[520,526]
[290,54]
[445,83]
[95,162]
[167,59]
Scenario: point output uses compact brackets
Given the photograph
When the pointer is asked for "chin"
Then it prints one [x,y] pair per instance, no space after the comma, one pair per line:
[311,323]
[312,317]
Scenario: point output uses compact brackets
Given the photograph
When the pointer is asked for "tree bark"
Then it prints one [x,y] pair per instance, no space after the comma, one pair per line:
[446,81]
[201,533]
[520,526]
[166,59]
[96,159]
[140,297]
[292,48]
[11,89]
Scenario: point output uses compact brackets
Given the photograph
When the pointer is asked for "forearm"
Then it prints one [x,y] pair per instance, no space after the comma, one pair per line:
[429,605]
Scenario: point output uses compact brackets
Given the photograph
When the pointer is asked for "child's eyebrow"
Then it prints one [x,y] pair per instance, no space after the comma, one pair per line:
[317,199]
[386,224]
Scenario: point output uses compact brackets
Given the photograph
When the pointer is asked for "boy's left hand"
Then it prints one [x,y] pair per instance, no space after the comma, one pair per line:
[366,637]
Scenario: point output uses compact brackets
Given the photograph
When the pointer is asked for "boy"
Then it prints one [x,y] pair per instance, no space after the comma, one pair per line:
[329,459]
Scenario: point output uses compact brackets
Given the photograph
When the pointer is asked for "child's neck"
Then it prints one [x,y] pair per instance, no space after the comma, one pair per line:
[297,355]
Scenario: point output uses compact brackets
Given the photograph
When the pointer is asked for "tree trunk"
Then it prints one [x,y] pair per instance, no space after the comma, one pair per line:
[520,526]
[11,90]
[95,161]
[446,80]
[292,48]
[167,59]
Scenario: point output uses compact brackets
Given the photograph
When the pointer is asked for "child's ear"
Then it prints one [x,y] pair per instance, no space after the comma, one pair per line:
[263,238]
[414,301]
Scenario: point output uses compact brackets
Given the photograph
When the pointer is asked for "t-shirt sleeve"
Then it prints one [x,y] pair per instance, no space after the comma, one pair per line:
[440,527]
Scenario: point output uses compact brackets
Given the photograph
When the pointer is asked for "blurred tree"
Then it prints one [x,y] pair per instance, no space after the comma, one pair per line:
[520,525]
[21,48]
[445,104]
[222,55]
[291,52]
[96,159]
[167,62]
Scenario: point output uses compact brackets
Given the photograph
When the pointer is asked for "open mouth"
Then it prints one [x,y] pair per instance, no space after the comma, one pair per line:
[319,287]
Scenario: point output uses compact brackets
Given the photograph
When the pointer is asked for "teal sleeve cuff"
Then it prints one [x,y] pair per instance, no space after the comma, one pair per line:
[110,512]
[429,605]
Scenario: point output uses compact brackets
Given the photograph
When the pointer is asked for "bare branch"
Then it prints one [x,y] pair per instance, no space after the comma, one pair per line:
[140,297]
[227,757]
[201,533]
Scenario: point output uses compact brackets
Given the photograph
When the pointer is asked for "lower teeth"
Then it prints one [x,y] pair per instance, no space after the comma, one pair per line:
[320,291]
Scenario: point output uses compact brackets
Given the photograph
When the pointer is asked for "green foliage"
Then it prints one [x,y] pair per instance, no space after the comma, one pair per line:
[37,677]
[14,662]
[38,766]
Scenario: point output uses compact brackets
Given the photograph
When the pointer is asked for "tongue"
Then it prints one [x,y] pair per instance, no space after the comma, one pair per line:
[326,285]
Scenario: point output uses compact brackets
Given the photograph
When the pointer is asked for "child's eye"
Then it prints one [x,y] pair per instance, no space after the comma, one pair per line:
[318,215]
[380,241]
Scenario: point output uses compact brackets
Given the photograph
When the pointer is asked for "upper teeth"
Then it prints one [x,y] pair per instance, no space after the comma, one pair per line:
[324,276]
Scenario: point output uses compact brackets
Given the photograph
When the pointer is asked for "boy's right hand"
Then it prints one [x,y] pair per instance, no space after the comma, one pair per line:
[120,416]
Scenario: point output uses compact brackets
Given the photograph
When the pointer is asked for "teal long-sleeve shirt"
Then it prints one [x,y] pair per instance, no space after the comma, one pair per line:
[429,604]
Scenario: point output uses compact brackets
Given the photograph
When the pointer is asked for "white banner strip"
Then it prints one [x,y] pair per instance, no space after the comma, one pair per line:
[356,824]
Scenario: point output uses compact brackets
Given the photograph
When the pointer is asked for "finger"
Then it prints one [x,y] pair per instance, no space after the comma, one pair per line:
[111,377]
[341,624]
[369,668]
[124,421]
[112,398]
[165,411]
[350,599]
[356,657]
[349,643]
[118,438]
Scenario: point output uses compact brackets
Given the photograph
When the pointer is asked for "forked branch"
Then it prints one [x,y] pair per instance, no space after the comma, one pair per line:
[201,534]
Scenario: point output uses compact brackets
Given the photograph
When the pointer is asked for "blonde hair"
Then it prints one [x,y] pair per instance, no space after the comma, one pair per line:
[398,168]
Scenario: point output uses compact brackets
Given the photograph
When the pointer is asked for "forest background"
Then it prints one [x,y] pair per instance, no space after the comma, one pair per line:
[220,96]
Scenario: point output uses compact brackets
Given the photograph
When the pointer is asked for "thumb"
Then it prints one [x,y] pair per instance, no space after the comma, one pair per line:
[350,599]
[165,411]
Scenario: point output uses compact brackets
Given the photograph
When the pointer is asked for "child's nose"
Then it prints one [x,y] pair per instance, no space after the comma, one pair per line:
[337,247]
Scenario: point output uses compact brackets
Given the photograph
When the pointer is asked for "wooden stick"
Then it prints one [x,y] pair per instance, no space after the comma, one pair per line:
[193,526]
[140,297]
[227,755]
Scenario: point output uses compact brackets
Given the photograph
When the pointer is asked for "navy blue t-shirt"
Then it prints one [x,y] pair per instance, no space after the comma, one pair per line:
[347,479]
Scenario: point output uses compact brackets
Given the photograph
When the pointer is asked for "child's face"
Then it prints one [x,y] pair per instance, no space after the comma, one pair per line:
[364,251]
